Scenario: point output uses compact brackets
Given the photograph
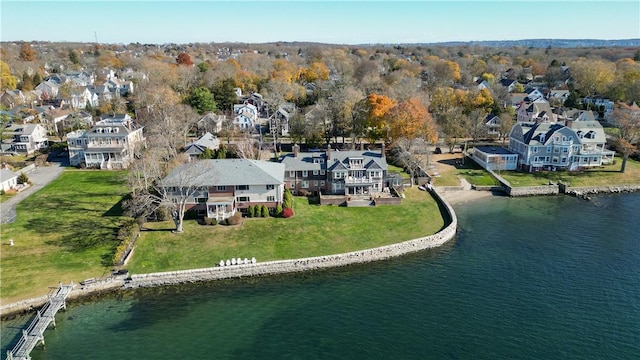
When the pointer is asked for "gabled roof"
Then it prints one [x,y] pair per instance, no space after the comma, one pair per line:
[6,174]
[22,129]
[205,141]
[226,172]
[591,131]
[540,134]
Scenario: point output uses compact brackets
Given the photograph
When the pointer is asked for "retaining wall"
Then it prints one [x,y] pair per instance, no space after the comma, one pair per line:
[306,264]
[533,190]
[585,190]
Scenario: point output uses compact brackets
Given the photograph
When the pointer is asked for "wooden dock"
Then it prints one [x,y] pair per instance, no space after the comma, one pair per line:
[34,333]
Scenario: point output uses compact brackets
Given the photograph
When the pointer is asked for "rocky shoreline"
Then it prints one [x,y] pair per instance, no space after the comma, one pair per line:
[122,282]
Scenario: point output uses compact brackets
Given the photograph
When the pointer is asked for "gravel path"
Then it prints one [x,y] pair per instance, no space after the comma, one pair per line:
[39,177]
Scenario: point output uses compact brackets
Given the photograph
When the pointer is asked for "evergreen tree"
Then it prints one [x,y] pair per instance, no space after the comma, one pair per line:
[572,100]
[201,100]
[265,211]
[287,201]
[73,57]
[278,209]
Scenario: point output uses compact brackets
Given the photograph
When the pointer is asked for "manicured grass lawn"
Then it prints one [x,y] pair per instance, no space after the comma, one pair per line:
[472,172]
[609,175]
[64,232]
[314,230]
[393,168]
[4,197]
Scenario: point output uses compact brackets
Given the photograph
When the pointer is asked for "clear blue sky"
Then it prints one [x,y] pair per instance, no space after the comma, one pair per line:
[342,22]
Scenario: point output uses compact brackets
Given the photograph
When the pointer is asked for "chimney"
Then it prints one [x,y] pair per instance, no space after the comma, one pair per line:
[361,146]
[328,153]
[296,149]
[383,151]
[568,122]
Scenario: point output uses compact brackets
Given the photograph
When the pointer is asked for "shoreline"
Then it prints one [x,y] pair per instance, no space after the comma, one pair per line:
[117,283]
[447,197]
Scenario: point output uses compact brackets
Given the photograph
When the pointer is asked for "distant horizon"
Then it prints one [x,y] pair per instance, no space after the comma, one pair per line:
[322,22]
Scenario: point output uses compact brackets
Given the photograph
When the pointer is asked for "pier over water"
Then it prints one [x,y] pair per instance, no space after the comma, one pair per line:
[34,333]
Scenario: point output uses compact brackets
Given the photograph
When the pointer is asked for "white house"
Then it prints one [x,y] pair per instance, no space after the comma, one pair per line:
[27,138]
[495,158]
[246,116]
[109,144]
[8,180]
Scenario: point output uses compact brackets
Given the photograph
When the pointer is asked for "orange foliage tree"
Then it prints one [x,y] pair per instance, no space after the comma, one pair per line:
[411,120]
[375,108]
[184,59]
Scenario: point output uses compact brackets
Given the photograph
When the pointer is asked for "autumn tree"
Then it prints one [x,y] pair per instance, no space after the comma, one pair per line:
[27,82]
[347,114]
[592,76]
[627,120]
[184,59]
[201,100]
[506,124]
[26,52]
[410,119]
[375,109]
[7,80]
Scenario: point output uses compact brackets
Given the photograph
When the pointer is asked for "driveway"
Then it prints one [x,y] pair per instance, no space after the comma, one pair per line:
[39,178]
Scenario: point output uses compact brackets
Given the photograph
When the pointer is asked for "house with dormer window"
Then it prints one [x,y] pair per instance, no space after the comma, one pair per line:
[572,146]
[331,171]
[109,144]
[26,138]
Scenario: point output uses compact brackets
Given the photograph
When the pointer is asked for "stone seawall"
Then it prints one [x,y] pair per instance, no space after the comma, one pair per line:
[306,264]
[262,268]
[533,190]
[583,191]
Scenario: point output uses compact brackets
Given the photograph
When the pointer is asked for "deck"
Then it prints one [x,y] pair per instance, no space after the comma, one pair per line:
[34,333]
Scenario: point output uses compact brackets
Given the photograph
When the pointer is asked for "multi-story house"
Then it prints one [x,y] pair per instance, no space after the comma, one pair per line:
[572,146]
[27,138]
[12,98]
[536,111]
[246,116]
[336,172]
[109,144]
[219,188]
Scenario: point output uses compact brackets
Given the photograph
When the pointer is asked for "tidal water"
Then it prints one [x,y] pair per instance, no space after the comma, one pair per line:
[532,278]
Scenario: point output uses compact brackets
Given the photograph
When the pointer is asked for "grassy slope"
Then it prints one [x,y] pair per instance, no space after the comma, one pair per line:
[62,233]
[314,230]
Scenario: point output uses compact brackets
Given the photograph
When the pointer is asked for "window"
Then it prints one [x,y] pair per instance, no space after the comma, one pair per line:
[221,188]
[305,173]
[322,183]
[564,159]
[201,200]
[270,187]
[321,172]
[243,198]
[315,172]
[315,183]
[565,150]
[271,198]
[292,174]
[242,187]
[305,184]
[556,150]
[548,149]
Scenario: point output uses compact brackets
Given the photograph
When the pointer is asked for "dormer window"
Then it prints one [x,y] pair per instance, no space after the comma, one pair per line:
[542,137]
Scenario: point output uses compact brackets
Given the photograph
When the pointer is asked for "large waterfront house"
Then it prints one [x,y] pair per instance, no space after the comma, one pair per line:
[573,145]
[109,144]
[218,188]
[330,171]
[25,138]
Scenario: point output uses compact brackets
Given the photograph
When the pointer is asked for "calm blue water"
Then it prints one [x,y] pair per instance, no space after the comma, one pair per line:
[534,278]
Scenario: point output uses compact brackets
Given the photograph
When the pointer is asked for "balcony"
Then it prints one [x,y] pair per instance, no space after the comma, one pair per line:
[355,180]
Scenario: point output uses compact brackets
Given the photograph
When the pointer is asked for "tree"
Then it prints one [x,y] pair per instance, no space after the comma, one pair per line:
[26,52]
[224,94]
[184,59]
[375,109]
[627,120]
[73,57]
[410,120]
[27,83]
[7,80]
[201,100]
[506,123]
[592,76]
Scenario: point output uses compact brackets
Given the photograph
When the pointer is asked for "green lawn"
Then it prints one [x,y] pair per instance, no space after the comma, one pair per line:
[63,232]
[6,196]
[608,175]
[396,169]
[314,230]
[470,171]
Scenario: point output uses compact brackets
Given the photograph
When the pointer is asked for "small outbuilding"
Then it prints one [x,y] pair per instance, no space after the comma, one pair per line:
[495,158]
[8,179]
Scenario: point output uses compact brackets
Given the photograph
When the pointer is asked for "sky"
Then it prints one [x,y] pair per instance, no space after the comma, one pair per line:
[336,22]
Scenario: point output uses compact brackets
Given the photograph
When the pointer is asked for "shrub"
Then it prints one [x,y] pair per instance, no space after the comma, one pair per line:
[126,236]
[287,212]
[304,192]
[251,212]
[287,201]
[278,210]
[23,179]
[236,219]
[265,211]
[208,220]
[214,222]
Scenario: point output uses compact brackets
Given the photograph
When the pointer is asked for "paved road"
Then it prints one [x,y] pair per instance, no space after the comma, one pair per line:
[39,177]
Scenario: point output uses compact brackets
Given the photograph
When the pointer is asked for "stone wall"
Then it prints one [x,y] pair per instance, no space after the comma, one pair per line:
[387,201]
[533,190]
[582,191]
[114,283]
[306,264]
